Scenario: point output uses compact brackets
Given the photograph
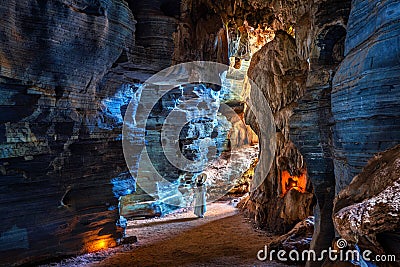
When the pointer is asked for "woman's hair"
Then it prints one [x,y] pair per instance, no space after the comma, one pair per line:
[200,179]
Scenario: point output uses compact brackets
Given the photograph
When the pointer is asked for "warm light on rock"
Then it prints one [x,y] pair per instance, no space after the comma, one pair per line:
[111,109]
[289,182]
[99,244]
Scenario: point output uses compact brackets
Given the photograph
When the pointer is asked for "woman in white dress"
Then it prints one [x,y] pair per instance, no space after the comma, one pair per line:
[200,196]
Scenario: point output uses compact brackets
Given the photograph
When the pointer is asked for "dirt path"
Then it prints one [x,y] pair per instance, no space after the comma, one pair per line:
[223,238]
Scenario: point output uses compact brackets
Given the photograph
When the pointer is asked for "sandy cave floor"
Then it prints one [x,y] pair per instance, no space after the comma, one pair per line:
[223,238]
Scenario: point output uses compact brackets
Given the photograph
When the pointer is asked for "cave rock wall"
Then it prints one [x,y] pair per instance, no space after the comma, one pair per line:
[366,91]
[280,75]
[366,115]
[366,212]
[311,122]
[62,169]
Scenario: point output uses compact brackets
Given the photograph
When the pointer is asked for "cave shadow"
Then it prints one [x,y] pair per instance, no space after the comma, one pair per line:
[162,222]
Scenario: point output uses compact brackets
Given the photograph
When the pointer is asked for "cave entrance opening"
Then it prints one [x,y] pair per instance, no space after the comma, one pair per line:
[331,44]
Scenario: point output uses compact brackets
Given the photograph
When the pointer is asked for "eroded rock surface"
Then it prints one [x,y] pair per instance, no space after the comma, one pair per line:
[365,110]
[68,70]
[280,77]
[298,239]
[311,123]
[58,127]
[369,208]
[366,87]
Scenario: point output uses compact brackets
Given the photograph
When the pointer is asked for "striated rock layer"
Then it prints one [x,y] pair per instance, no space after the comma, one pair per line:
[365,95]
[59,138]
[366,114]
[311,123]
[68,70]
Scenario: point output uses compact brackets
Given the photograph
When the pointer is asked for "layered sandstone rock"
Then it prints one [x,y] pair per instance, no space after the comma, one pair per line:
[366,88]
[200,35]
[68,70]
[59,127]
[366,111]
[311,123]
[155,27]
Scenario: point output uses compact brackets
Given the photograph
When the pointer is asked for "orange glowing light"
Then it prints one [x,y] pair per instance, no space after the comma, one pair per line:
[99,244]
[289,182]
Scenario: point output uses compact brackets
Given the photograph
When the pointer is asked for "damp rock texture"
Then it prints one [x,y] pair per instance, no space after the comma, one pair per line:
[365,93]
[68,70]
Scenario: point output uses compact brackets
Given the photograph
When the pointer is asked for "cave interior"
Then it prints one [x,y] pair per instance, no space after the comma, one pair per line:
[112,109]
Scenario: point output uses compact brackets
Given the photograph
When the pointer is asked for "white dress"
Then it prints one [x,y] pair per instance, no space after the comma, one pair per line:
[200,201]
